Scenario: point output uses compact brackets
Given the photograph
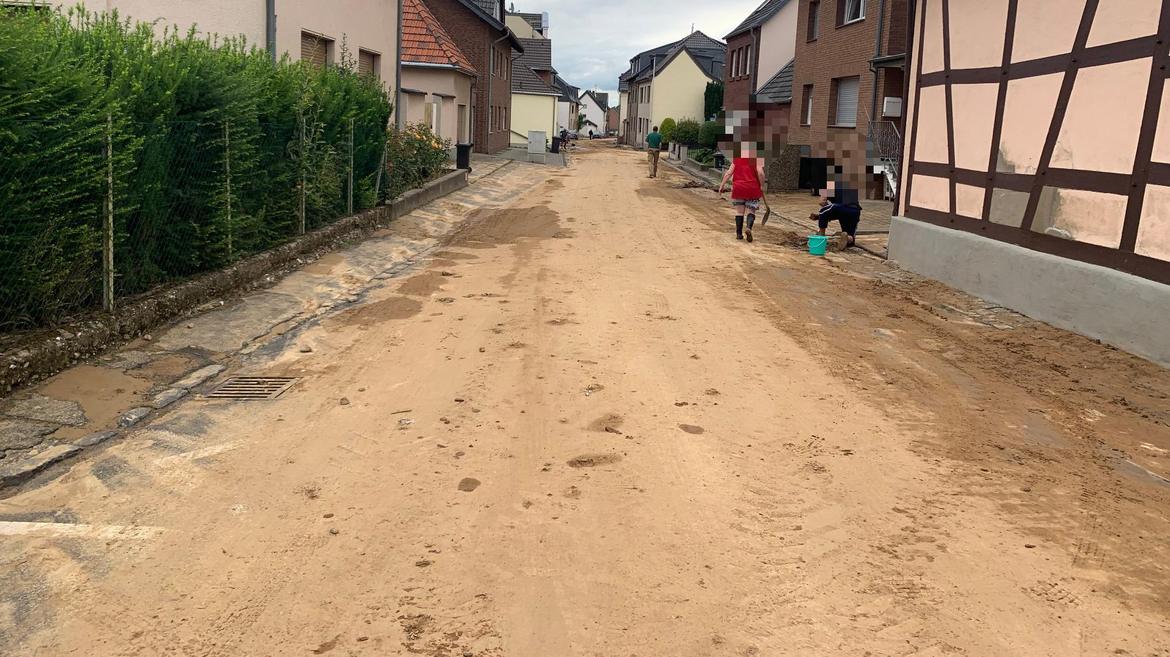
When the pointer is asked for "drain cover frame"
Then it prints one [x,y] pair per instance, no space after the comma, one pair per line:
[253,388]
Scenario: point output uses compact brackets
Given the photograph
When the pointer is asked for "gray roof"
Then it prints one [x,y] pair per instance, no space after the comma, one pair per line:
[602,99]
[490,7]
[758,17]
[526,81]
[708,53]
[537,54]
[536,21]
[779,88]
[569,93]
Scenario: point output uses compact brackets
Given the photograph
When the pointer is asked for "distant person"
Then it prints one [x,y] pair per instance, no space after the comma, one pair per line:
[591,133]
[654,142]
[842,205]
[747,188]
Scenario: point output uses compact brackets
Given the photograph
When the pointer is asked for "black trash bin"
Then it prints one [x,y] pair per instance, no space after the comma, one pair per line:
[556,145]
[720,161]
[463,156]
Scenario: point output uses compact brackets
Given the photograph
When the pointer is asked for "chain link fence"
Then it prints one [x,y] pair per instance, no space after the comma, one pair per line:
[113,210]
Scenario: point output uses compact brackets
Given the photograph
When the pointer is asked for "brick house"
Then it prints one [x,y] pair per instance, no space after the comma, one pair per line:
[477,27]
[757,94]
[848,81]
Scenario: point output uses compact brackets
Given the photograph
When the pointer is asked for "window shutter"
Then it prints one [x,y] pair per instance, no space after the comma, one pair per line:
[314,50]
[846,102]
[367,63]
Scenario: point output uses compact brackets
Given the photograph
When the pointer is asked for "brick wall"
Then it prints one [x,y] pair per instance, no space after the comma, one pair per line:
[738,90]
[840,52]
[474,37]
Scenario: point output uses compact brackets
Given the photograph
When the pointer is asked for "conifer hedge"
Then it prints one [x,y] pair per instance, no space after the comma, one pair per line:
[210,140]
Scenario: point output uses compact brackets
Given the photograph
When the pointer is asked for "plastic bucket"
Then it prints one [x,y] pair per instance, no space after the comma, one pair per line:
[817,243]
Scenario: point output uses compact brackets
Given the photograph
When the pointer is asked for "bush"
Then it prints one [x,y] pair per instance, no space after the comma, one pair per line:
[710,133]
[687,132]
[414,155]
[180,112]
[702,155]
[667,130]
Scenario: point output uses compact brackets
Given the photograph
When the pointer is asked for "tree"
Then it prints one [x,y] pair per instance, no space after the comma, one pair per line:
[667,130]
[580,121]
[712,100]
[710,133]
[687,132]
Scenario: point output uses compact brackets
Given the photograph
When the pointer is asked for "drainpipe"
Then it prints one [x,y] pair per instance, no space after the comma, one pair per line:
[877,52]
[755,63]
[398,118]
[270,27]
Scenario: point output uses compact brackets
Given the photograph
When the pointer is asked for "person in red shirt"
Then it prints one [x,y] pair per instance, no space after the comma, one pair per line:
[747,187]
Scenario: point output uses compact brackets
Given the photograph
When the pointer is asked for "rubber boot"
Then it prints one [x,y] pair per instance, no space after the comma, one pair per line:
[751,222]
[739,227]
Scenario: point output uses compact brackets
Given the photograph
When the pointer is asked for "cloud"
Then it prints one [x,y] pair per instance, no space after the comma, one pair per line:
[593,41]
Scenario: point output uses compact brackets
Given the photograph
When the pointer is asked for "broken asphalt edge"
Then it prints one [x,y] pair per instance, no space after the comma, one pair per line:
[19,471]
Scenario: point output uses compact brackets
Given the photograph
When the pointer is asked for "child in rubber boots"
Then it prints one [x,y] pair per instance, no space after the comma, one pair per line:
[747,187]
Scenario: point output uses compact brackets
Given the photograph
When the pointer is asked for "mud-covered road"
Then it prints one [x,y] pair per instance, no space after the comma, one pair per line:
[590,423]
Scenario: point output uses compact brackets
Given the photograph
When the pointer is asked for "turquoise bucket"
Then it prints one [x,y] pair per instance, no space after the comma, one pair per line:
[817,243]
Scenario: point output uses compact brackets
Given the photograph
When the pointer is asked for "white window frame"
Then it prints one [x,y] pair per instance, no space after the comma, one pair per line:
[808,106]
[850,121]
[857,6]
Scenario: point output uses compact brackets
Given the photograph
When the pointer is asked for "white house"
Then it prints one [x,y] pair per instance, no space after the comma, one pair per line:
[594,105]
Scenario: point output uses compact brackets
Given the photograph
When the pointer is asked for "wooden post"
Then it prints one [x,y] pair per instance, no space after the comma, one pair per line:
[108,229]
[350,205]
[227,157]
[301,228]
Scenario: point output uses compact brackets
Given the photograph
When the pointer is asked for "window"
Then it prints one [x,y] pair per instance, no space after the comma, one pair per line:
[316,49]
[369,63]
[814,20]
[850,11]
[747,60]
[807,106]
[846,110]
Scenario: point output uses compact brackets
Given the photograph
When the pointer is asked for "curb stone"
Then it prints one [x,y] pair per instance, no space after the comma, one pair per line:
[12,473]
[198,376]
[168,397]
[95,438]
[133,416]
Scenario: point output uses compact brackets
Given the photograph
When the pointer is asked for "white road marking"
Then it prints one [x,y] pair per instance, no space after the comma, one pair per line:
[106,532]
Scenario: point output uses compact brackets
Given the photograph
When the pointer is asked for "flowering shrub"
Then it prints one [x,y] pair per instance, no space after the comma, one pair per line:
[414,155]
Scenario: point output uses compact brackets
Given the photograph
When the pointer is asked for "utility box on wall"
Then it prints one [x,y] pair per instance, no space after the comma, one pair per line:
[891,106]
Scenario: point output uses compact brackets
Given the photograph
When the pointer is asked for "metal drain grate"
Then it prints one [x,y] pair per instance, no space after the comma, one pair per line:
[253,387]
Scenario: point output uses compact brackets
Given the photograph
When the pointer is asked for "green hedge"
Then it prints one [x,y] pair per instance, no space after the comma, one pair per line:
[180,112]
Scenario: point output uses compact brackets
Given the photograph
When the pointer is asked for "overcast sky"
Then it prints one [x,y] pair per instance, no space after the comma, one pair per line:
[593,40]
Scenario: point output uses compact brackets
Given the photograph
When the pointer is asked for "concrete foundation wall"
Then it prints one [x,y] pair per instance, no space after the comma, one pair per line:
[1125,311]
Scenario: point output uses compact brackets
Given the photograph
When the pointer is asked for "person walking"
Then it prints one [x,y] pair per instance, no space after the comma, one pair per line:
[747,190]
[654,142]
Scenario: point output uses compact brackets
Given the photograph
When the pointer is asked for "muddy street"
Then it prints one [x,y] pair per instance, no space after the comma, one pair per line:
[582,419]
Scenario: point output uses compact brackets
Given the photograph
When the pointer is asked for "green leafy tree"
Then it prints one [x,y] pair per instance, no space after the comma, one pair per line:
[712,100]
[667,130]
[687,132]
[709,133]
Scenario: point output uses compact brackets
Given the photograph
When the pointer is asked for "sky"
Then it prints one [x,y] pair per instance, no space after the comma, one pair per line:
[593,40]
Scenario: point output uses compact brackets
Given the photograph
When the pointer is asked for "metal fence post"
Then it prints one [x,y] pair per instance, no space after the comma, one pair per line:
[381,168]
[227,158]
[108,229]
[301,154]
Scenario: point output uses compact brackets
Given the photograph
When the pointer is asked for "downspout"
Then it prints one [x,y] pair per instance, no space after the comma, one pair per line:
[877,52]
[907,69]
[755,63]
[398,118]
[270,27]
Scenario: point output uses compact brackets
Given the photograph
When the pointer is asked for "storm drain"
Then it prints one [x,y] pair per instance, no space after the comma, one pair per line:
[253,387]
